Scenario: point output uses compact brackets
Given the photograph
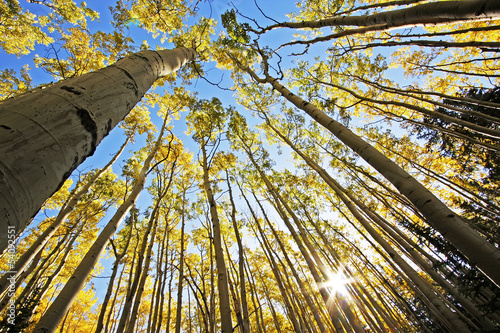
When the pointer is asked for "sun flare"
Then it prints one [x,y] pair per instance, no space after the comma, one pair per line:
[337,282]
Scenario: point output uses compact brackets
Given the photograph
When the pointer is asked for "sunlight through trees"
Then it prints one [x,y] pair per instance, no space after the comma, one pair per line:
[200,166]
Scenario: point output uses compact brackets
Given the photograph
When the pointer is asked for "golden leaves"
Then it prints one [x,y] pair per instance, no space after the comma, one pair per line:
[59,197]
[19,30]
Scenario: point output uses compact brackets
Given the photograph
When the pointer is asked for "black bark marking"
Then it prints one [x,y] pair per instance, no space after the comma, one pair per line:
[71,90]
[145,59]
[108,127]
[130,85]
[480,10]
[5,127]
[90,126]
[451,216]
[142,57]
[126,73]
[161,59]
[66,175]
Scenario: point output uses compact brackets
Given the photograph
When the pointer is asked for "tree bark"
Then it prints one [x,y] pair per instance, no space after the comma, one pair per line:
[54,314]
[274,267]
[469,242]
[178,316]
[132,292]
[222,281]
[427,13]
[63,214]
[46,133]
[143,277]
[404,244]
[119,257]
[241,261]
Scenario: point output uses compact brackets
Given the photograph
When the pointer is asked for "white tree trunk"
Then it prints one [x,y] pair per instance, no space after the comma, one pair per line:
[46,133]
[56,311]
[427,13]
[469,242]
[63,214]
[222,274]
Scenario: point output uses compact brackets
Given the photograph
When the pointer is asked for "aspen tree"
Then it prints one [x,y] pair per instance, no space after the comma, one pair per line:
[407,245]
[178,315]
[241,260]
[279,279]
[302,288]
[63,214]
[47,133]
[163,189]
[206,122]
[477,249]
[118,258]
[55,313]
[238,131]
[128,316]
[420,14]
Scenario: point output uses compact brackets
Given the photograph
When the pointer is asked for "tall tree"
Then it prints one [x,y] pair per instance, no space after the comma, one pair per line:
[459,233]
[39,150]
[207,121]
[53,316]
[349,218]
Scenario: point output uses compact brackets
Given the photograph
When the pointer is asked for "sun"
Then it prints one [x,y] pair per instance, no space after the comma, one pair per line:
[337,282]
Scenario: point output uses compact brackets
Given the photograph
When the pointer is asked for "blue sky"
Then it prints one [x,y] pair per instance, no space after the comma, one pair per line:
[111,144]
[274,9]
[214,8]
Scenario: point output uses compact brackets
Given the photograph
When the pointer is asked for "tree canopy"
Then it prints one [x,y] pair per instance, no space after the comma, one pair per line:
[317,166]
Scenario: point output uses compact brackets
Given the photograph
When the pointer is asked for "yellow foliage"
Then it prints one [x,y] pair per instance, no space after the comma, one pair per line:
[59,197]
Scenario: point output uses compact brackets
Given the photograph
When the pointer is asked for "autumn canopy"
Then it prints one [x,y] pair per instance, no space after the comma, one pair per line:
[203,166]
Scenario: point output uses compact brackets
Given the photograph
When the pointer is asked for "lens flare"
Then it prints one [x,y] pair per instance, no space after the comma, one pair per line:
[336,283]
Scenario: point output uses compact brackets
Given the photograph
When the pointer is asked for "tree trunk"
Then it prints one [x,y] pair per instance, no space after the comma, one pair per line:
[119,257]
[276,322]
[41,291]
[118,309]
[475,247]
[46,133]
[54,314]
[63,214]
[178,316]
[310,263]
[222,281]
[427,13]
[144,275]
[234,294]
[408,246]
[301,286]
[257,305]
[143,270]
[274,267]
[140,267]
[241,261]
